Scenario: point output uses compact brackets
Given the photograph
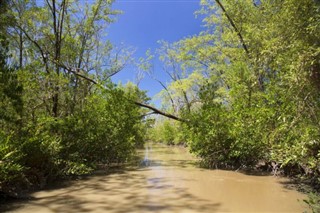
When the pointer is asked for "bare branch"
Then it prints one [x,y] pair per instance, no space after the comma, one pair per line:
[63,5]
[115,72]
[44,57]
[76,72]
[171,99]
[234,26]
[155,110]
[147,114]
[165,88]
[50,6]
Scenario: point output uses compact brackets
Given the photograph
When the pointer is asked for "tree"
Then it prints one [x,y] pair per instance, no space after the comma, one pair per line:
[69,117]
[258,99]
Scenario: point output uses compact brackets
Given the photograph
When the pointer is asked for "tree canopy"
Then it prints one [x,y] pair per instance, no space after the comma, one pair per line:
[249,85]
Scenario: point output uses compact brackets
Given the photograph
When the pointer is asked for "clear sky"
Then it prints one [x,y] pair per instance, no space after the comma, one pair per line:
[145,22]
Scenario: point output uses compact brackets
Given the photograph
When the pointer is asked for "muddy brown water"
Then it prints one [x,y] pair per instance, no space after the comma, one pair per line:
[167,180]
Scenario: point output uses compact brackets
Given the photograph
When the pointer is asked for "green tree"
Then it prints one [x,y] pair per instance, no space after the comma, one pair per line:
[10,110]
[260,64]
[69,117]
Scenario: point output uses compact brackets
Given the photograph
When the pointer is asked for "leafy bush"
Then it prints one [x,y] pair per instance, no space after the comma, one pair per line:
[168,132]
[11,172]
[104,130]
[314,202]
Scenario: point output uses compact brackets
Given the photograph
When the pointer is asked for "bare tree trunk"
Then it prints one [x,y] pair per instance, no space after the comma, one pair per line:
[57,28]
[20,49]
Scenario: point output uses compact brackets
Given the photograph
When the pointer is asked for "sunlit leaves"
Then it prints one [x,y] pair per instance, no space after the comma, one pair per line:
[259,103]
[91,124]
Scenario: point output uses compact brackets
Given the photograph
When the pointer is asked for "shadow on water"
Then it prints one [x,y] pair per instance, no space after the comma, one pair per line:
[121,192]
[253,172]
[159,179]
[118,190]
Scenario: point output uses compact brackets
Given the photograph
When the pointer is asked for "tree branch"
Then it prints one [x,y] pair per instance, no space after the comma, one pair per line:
[154,110]
[234,26]
[171,99]
[166,89]
[76,72]
[144,115]
[157,111]
[44,57]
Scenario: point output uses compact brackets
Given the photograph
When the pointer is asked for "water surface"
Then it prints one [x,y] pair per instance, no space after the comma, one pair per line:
[168,180]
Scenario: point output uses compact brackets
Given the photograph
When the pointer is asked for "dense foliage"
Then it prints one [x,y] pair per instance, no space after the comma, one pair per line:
[60,115]
[167,131]
[256,97]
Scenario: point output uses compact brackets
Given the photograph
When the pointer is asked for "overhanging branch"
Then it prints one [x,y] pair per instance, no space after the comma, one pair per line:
[234,26]
[153,109]
[157,111]
[76,72]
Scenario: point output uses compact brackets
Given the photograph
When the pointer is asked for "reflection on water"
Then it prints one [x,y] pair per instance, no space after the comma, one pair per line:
[146,160]
[167,180]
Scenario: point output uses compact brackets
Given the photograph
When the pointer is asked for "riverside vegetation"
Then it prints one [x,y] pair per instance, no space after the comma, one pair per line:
[53,123]
[243,92]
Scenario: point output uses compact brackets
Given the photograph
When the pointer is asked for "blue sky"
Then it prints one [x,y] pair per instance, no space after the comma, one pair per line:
[145,22]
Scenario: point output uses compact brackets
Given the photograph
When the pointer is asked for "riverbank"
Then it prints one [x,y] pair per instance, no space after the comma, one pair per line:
[167,180]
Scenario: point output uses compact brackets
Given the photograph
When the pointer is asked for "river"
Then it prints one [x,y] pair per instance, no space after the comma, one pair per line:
[167,180]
